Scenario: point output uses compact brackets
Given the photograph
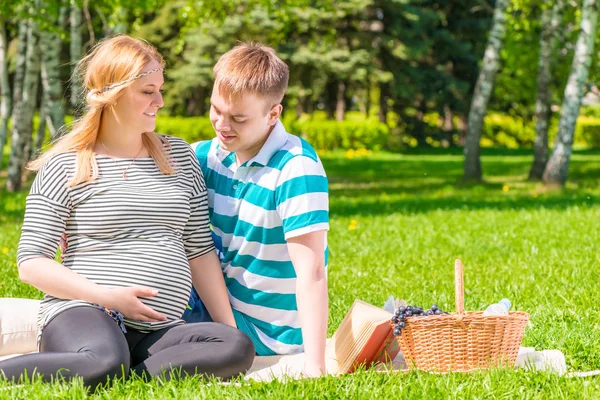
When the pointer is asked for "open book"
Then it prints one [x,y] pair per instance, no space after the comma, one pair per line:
[363,338]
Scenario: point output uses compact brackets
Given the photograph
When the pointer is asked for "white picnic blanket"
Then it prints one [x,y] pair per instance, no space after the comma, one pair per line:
[18,330]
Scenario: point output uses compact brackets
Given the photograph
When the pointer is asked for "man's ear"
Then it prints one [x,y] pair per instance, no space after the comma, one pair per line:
[274,114]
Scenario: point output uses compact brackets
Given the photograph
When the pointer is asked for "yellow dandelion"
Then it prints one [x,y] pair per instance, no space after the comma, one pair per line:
[535,195]
[5,250]
[505,188]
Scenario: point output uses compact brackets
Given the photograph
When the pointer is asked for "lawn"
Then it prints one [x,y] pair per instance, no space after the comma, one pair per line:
[397,224]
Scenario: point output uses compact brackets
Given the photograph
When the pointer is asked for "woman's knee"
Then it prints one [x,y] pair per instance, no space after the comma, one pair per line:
[111,361]
[116,364]
[105,367]
[241,351]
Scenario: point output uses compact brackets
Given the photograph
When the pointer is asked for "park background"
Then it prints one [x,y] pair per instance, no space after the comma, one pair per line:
[448,129]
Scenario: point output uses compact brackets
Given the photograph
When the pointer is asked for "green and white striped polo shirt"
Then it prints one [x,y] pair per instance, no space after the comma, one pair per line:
[254,208]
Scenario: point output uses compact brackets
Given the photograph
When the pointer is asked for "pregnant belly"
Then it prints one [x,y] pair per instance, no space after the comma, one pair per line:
[171,277]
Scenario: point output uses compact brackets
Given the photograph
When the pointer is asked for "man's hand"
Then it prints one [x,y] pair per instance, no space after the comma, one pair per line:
[126,301]
[313,370]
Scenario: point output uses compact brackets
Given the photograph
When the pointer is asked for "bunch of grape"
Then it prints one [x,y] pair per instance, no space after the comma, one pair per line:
[403,312]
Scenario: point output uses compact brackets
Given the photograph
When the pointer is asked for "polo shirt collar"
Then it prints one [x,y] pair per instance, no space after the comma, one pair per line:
[226,158]
[274,143]
[276,140]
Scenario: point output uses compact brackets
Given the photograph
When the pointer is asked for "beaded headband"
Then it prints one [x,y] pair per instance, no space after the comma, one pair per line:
[138,76]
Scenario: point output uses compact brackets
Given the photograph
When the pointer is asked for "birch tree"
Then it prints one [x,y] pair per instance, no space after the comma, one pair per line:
[23,117]
[19,66]
[483,92]
[41,131]
[76,52]
[50,41]
[558,165]
[551,20]
[5,104]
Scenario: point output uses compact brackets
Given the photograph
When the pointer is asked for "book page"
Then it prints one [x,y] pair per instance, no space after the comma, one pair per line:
[352,335]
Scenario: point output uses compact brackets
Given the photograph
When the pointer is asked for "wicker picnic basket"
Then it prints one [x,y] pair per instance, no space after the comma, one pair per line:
[462,341]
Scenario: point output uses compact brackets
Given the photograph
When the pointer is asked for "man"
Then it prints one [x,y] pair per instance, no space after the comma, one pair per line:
[268,205]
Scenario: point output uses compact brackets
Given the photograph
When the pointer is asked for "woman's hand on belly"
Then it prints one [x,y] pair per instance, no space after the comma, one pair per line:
[126,301]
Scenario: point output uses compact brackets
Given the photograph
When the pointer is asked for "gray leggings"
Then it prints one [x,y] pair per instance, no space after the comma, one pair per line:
[86,342]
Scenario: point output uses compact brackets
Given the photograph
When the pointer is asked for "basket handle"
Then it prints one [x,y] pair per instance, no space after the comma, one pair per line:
[459,287]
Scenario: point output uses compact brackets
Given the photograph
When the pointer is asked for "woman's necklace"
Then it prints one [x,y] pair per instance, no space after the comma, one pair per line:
[124,171]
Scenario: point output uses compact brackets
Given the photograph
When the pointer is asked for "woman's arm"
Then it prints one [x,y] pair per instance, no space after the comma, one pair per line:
[207,278]
[59,281]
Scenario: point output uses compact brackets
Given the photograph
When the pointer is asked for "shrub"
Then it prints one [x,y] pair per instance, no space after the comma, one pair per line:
[499,130]
[587,131]
[330,135]
[190,129]
[506,131]
[590,111]
[321,134]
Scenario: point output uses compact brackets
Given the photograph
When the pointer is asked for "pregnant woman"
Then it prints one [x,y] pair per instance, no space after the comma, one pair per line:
[133,205]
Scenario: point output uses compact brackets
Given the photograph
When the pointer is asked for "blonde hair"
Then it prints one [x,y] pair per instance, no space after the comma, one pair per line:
[111,66]
[254,68]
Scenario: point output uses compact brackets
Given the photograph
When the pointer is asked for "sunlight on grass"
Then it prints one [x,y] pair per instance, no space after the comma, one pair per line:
[397,224]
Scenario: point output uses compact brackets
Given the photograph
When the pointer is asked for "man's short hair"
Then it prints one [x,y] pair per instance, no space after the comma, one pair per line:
[251,68]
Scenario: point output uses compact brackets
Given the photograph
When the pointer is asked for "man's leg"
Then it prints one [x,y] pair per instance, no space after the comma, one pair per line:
[196,311]
[81,341]
[210,349]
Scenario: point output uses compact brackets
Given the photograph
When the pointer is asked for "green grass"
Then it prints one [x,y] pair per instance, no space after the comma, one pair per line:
[539,248]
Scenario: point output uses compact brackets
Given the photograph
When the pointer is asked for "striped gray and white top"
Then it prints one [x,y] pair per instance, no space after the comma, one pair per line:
[122,232]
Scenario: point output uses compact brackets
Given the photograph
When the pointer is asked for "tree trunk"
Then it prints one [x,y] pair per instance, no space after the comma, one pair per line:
[331,98]
[5,105]
[368,100]
[420,129]
[483,92]
[558,166]
[383,105]
[20,66]
[309,106]
[462,129]
[201,100]
[299,107]
[340,104]
[41,132]
[53,91]
[368,86]
[22,124]
[76,50]
[447,126]
[196,103]
[550,24]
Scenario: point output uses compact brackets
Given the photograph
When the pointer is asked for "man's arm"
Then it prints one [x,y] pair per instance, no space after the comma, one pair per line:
[207,278]
[307,253]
